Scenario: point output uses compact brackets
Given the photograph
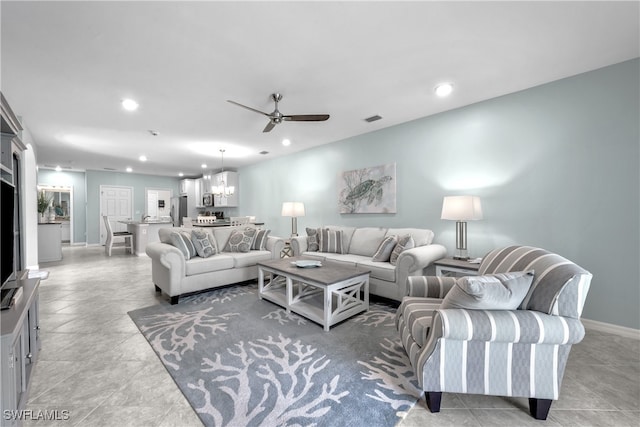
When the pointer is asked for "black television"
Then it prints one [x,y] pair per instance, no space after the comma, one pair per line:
[7,256]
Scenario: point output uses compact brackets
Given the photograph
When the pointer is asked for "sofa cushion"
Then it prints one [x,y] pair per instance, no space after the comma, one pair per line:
[248,259]
[182,241]
[421,236]
[222,234]
[345,259]
[214,263]
[383,253]
[502,291]
[204,243]
[260,241]
[347,234]
[405,242]
[313,239]
[240,240]
[366,240]
[314,255]
[379,270]
[165,232]
[331,241]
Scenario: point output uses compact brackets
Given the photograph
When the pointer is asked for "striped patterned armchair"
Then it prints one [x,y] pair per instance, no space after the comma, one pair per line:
[519,352]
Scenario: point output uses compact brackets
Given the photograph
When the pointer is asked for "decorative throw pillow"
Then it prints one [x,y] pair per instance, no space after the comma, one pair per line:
[331,241]
[504,291]
[182,241]
[383,253]
[205,245]
[260,241]
[313,239]
[405,242]
[240,240]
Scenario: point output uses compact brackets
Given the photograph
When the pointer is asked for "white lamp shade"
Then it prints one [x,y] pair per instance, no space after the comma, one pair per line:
[293,209]
[461,208]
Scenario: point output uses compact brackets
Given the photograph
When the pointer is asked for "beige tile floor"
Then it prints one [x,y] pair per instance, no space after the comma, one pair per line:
[97,366]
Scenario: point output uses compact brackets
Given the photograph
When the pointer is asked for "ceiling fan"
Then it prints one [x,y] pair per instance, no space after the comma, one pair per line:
[277,117]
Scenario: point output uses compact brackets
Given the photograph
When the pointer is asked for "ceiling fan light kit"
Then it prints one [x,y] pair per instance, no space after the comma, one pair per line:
[276,117]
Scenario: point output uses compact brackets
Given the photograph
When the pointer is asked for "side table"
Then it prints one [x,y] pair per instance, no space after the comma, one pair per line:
[446,266]
[287,251]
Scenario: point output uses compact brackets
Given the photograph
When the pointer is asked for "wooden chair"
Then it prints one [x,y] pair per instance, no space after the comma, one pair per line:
[111,236]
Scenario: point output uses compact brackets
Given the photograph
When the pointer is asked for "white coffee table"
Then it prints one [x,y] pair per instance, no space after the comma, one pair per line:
[326,295]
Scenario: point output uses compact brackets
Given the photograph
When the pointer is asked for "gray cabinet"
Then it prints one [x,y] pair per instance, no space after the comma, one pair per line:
[19,347]
[49,241]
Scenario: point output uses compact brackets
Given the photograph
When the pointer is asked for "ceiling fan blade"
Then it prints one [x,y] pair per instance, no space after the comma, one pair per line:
[306,118]
[248,108]
[269,126]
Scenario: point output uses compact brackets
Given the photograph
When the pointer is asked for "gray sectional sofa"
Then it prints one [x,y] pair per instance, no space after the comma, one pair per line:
[359,246]
[175,275]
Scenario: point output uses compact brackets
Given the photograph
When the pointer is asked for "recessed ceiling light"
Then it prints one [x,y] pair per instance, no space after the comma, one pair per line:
[58,168]
[142,158]
[444,89]
[129,169]
[129,104]
[180,174]
[203,166]
[286,142]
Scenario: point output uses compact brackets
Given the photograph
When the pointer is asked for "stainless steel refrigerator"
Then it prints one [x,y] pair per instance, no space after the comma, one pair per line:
[178,210]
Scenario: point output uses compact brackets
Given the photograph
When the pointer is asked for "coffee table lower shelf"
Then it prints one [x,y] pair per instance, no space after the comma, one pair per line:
[324,303]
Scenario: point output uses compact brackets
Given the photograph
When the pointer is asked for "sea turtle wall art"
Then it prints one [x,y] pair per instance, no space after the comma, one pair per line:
[368,190]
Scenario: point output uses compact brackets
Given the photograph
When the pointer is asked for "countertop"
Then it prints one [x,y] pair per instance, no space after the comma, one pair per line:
[153,221]
[49,223]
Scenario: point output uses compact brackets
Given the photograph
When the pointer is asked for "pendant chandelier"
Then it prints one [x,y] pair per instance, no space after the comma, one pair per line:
[222,189]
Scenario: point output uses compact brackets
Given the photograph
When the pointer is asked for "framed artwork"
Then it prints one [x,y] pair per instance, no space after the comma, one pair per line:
[368,190]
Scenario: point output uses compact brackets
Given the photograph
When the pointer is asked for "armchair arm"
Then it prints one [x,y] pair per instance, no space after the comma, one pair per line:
[299,244]
[168,267]
[275,246]
[414,261]
[512,326]
[429,286]
[169,256]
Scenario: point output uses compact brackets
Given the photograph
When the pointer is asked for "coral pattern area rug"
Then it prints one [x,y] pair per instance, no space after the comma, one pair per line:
[242,361]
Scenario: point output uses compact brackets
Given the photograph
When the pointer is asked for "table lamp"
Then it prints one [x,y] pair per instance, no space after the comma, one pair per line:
[294,210]
[461,209]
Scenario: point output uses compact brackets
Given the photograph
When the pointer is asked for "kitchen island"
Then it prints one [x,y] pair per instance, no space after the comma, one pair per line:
[145,232]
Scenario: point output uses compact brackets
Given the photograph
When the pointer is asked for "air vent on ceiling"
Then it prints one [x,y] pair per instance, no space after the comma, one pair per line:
[373,118]
[110,169]
[264,152]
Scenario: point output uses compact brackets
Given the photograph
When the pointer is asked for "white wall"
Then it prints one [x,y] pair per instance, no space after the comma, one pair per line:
[556,166]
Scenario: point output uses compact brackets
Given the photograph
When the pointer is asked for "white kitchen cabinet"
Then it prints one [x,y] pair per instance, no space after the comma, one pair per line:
[230,179]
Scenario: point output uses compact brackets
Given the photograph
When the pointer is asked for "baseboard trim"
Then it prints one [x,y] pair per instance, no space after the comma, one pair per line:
[611,328]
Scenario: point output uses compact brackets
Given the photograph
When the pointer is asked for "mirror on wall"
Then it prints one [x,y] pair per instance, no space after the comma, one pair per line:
[60,208]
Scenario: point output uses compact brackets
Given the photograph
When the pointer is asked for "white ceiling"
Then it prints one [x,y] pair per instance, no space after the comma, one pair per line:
[67,65]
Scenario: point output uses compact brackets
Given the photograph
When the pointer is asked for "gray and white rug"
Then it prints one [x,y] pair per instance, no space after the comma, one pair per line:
[241,361]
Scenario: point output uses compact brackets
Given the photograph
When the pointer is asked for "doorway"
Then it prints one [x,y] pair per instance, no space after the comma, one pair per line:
[60,208]
[117,203]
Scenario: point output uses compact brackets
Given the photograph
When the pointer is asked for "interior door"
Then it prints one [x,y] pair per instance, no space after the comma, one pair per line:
[117,204]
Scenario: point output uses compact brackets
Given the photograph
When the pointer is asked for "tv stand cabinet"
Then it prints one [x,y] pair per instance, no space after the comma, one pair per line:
[19,348]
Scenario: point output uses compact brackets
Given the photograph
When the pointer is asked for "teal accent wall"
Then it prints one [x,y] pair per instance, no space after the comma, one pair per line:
[77,181]
[136,181]
[556,166]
